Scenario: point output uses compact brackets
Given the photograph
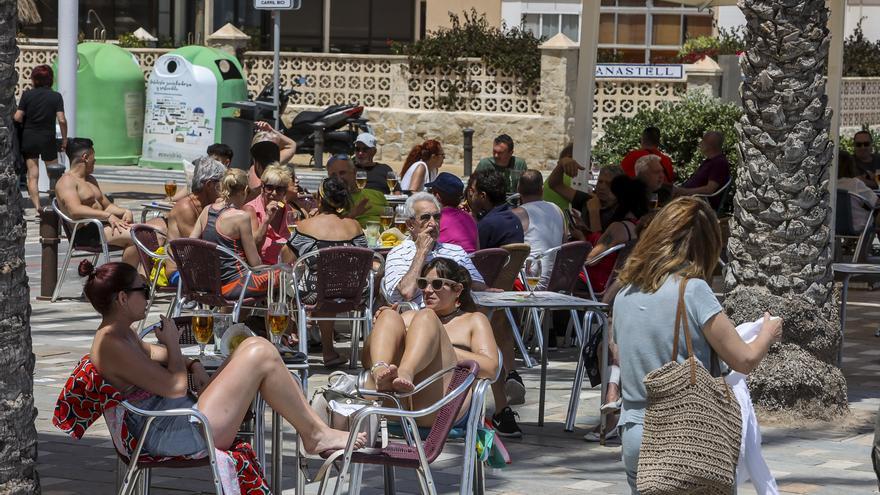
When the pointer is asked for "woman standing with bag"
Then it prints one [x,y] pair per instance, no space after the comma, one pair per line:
[38,109]
[665,294]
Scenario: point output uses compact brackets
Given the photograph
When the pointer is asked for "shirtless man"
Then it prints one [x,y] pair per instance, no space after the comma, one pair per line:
[80,196]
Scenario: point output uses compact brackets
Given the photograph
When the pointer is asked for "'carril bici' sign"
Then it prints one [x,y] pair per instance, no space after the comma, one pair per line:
[639,71]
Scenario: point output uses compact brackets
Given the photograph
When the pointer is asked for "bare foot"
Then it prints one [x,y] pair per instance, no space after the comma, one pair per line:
[384,377]
[403,383]
[330,439]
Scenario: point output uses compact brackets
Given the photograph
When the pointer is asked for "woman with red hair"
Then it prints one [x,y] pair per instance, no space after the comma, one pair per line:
[421,165]
[37,112]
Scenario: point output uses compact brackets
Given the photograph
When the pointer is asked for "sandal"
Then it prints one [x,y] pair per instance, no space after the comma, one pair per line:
[336,362]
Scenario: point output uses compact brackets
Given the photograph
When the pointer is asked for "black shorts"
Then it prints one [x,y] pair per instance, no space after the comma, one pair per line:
[39,145]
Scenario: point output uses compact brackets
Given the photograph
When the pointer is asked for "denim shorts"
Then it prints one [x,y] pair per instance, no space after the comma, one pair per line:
[168,436]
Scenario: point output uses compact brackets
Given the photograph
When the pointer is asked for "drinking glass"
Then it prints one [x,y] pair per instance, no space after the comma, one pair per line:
[292,219]
[277,316]
[203,329]
[387,217]
[170,190]
[400,218]
[361,179]
[533,273]
[514,181]
[222,322]
[391,179]
[372,232]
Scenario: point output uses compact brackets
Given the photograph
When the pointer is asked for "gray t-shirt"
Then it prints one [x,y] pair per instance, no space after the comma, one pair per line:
[644,326]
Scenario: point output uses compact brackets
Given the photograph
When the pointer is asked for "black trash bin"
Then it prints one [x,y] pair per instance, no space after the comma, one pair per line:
[237,132]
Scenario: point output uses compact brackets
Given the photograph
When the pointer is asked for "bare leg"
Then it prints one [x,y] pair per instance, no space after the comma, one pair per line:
[33,177]
[385,344]
[327,344]
[503,337]
[256,365]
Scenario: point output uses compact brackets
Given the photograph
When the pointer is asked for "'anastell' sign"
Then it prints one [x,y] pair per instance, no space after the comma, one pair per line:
[639,71]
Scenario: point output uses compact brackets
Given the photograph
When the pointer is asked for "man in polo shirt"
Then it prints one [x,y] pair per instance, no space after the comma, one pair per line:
[366,204]
[503,161]
[404,263]
[713,172]
[650,145]
[496,223]
[456,226]
[377,173]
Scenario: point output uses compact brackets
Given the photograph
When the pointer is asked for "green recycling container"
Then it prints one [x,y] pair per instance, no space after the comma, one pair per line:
[110,102]
[184,98]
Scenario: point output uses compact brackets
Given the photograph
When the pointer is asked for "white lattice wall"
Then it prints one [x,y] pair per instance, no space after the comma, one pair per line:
[28,58]
[484,89]
[860,101]
[626,97]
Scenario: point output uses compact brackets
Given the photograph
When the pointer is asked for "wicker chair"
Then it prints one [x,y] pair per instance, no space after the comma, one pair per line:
[76,249]
[490,262]
[146,239]
[414,455]
[518,254]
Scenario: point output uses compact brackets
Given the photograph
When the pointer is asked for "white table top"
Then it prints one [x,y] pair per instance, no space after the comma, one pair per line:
[545,299]
[857,268]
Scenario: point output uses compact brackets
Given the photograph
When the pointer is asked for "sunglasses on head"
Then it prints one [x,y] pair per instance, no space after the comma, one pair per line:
[435,283]
[142,289]
[861,144]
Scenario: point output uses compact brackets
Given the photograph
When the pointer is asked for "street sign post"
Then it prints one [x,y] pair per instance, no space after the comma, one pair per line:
[276,6]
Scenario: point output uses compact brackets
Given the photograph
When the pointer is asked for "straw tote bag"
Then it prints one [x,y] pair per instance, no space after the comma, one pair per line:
[692,429]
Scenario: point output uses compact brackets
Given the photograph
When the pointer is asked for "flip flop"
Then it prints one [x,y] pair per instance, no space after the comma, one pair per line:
[336,362]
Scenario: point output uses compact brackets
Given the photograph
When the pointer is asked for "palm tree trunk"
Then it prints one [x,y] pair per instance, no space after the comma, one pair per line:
[780,245]
[18,436]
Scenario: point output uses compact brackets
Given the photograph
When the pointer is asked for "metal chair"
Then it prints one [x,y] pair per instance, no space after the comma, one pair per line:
[594,261]
[490,262]
[71,228]
[343,273]
[415,454]
[146,240]
[723,192]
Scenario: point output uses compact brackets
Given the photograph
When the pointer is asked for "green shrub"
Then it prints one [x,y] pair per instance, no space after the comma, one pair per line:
[846,140]
[861,57]
[728,42]
[511,51]
[681,123]
[129,40]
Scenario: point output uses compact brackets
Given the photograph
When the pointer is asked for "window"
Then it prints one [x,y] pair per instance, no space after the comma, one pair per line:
[548,25]
[369,26]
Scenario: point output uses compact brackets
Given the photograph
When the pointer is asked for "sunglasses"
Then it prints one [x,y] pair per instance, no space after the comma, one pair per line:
[274,188]
[427,216]
[861,145]
[435,283]
[142,289]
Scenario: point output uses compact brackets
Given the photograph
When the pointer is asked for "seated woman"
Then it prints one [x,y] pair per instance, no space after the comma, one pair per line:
[421,165]
[227,225]
[268,213]
[632,204]
[155,376]
[329,227]
[405,349]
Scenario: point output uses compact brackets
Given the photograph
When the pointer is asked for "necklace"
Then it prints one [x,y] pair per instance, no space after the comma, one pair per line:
[449,316]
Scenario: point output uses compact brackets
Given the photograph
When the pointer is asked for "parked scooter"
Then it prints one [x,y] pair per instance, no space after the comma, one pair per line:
[332,130]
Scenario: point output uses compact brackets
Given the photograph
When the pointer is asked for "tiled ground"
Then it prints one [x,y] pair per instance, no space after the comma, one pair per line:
[814,459]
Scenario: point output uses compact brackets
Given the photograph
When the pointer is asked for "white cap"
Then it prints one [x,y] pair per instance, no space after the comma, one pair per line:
[366,139]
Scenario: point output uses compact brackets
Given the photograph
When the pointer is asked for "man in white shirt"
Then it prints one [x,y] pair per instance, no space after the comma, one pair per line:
[404,263]
[543,222]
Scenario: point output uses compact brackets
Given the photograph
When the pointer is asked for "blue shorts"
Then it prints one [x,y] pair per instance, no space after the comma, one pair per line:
[168,436]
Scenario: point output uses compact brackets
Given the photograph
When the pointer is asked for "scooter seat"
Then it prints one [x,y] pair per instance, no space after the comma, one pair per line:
[307,117]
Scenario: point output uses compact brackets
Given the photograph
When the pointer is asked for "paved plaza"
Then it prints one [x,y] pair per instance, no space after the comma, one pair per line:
[806,459]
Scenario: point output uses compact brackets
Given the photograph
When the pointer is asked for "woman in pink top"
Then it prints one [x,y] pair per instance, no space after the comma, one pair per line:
[268,213]
[456,226]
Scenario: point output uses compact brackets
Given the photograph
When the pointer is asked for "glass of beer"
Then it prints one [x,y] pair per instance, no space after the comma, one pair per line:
[277,316]
[391,179]
[386,218]
[203,329]
[292,219]
[400,218]
[170,190]
[361,179]
[533,273]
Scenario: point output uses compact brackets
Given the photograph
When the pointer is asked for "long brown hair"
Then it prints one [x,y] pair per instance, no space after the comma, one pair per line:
[421,152]
[683,239]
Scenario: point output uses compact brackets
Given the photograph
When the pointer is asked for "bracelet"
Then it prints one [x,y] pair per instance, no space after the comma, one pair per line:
[376,365]
[190,364]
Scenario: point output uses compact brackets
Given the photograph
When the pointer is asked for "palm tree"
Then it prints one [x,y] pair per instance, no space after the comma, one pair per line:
[780,245]
[18,435]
